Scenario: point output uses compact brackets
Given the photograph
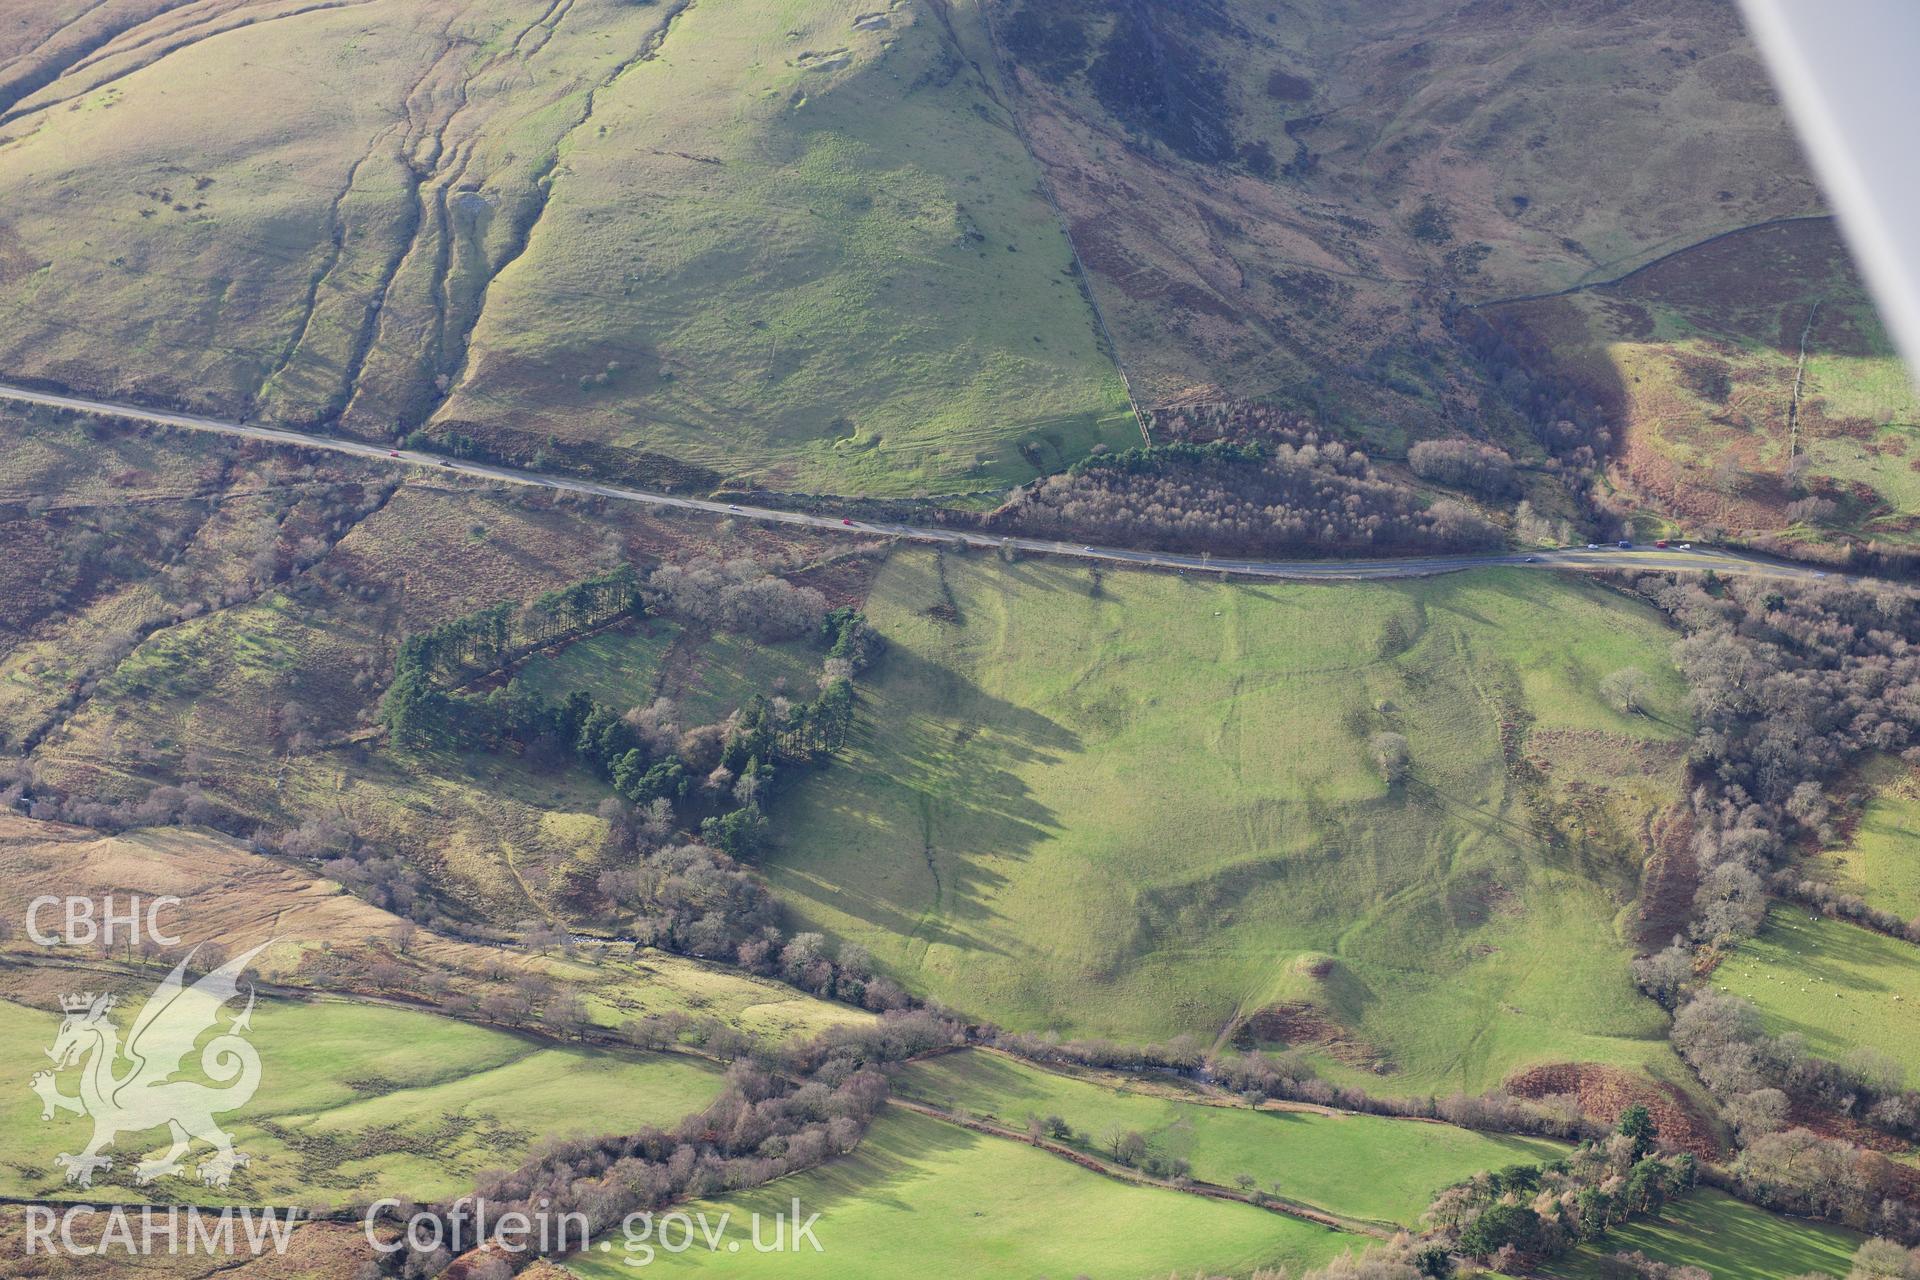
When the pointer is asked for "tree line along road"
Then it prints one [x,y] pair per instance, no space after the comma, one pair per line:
[1697,560]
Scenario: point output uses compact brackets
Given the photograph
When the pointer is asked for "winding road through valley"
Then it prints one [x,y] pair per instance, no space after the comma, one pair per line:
[1603,559]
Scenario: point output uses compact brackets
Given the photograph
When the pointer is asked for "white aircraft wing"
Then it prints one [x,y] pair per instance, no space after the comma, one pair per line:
[1849,71]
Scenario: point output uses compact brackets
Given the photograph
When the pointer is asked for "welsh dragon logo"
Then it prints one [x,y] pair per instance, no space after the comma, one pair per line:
[143,1096]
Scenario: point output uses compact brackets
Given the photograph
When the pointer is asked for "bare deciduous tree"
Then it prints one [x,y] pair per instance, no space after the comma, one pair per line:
[1392,756]
[1627,690]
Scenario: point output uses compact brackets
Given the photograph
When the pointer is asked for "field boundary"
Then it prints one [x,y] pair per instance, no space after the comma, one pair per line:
[592,1037]
[1649,264]
[1194,1187]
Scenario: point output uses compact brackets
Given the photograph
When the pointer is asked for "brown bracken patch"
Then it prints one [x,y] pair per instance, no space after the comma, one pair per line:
[1831,1124]
[1605,1092]
[1299,1024]
[1668,884]
[1284,86]
[15,263]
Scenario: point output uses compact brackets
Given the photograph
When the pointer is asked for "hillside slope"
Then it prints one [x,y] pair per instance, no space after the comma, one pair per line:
[1279,201]
[1141,806]
[806,247]
[866,249]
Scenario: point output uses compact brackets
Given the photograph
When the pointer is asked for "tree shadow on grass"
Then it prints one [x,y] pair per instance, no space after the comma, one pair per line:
[1841,955]
[1015,1090]
[1708,1229]
[927,794]
[900,1149]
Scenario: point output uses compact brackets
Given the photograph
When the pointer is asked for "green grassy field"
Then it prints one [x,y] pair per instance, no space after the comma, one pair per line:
[1148,808]
[709,680]
[619,668]
[1881,862]
[707,675]
[1362,1167]
[357,1102]
[656,982]
[1840,986]
[1733,1241]
[919,1189]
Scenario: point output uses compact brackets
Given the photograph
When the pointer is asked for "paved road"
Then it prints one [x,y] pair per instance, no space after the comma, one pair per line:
[1696,560]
